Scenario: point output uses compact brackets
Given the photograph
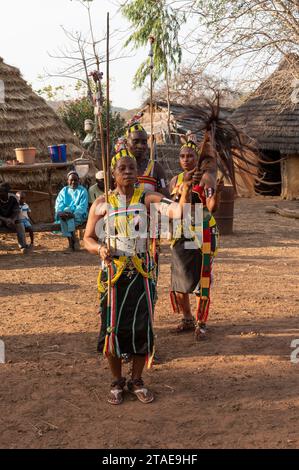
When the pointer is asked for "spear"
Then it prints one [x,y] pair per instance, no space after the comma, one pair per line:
[151,55]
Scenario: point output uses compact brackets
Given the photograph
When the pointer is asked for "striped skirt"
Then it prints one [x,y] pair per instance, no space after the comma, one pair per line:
[132,304]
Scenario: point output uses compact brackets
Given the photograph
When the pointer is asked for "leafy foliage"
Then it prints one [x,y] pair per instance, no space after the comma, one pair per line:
[158,19]
[50,92]
[76,111]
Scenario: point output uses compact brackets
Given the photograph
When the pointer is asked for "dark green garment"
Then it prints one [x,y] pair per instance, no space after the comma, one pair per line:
[134,324]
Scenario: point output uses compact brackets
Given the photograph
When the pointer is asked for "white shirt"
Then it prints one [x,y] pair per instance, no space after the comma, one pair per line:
[24,211]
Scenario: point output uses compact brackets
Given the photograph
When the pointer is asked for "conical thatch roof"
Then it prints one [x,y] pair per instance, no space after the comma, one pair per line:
[27,121]
[271,114]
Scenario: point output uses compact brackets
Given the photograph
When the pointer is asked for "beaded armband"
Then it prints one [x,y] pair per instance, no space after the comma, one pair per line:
[209,192]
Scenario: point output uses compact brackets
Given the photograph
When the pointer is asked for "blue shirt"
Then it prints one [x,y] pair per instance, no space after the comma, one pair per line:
[74,200]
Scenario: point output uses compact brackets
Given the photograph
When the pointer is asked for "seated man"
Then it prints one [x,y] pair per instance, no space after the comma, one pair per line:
[9,215]
[71,209]
[97,189]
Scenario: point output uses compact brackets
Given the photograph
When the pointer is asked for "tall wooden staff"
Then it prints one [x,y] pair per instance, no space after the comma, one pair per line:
[201,155]
[105,148]
[99,102]
[151,56]
[106,169]
[108,99]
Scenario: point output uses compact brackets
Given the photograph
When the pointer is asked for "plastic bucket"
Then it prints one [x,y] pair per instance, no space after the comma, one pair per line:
[26,155]
[57,153]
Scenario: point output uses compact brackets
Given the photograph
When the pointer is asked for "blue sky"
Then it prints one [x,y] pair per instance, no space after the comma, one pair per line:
[32,28]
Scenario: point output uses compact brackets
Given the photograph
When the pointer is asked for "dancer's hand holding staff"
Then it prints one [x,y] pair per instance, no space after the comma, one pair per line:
[191,178]
[106,253]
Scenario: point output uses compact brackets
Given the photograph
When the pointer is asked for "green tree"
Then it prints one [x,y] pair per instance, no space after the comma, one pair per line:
[50,92]
[75,112]
[155,18]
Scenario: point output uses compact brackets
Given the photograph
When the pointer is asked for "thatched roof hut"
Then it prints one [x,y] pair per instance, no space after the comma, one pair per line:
[179,123]
[271,116]
[26,120]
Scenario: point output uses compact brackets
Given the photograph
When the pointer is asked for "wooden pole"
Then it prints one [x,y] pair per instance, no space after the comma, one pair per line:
[102,137]
[105,148]
[108,98]
[202,149]
[107,169]
[151,55]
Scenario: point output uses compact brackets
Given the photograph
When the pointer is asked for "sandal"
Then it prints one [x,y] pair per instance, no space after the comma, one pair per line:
[186,324]
[143,394]
[116,392]
[200,331]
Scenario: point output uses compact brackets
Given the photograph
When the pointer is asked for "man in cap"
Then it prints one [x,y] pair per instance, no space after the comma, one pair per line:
[97,189]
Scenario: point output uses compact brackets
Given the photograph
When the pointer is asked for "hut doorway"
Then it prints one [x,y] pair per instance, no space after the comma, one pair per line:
[271,173]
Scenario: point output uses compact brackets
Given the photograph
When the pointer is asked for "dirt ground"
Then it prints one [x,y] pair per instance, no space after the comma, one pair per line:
[236,389]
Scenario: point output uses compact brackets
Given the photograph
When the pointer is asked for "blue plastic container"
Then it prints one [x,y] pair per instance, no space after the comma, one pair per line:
[57,153]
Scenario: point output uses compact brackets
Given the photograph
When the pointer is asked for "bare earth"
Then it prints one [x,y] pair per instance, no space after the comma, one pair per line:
[237,389]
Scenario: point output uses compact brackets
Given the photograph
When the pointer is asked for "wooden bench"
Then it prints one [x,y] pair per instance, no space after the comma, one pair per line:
[44,227]
[35,227]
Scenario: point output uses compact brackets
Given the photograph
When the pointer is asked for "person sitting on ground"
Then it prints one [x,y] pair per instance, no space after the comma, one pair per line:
[25,219]
[10,215]
[71,209]
[97,189]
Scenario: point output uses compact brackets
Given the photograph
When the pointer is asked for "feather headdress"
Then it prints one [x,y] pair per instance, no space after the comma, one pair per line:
[234,152]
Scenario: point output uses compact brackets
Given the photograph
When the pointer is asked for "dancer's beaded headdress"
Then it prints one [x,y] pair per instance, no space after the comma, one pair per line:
[134,125]
[122,154]
[191,145]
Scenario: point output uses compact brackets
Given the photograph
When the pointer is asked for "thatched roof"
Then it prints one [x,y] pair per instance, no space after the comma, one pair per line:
[181,120]
[27,121]
[270,114]
[45,177]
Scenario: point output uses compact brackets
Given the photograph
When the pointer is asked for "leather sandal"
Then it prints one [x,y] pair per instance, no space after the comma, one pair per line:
[116,393]
[141,392]
[200,331]
[186,324]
